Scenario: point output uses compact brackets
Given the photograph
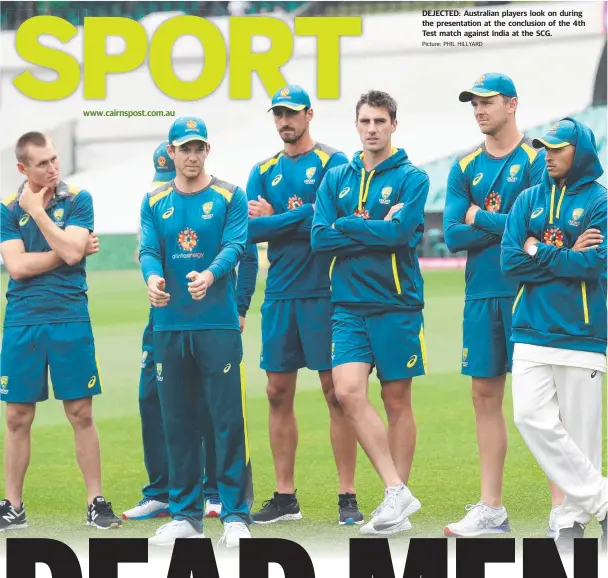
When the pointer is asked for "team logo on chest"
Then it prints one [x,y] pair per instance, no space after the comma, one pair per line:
[58,216]
[23,220]
[276,180]
[310,173]
[207,207]
[513,170]
[385,195]
[493,201]
[294,202]
[554,236]
[576,217]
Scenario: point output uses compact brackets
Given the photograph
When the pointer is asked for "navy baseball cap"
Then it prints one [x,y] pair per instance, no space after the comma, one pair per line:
[490,84]
[186,129]
[559,135]
[164,167]
[291,96]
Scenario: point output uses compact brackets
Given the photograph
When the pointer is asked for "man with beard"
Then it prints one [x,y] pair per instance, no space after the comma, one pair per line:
[193,233]
[296,314]
[482,187]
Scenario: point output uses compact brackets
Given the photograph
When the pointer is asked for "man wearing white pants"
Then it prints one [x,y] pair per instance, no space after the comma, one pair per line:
[555,245]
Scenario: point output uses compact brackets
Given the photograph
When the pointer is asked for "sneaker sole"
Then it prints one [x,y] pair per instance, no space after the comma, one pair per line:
[284,518]
[488,531]
[14,527]
[158,514]
[409,511]
[350,522]
[401,527]
[112,526]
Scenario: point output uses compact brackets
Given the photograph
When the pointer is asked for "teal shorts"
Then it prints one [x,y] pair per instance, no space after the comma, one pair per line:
[29,351]
[393,342]
[487,350]
[296,333]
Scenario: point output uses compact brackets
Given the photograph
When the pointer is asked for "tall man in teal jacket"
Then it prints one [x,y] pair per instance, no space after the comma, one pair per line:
[194,231]
[482,187]
[296,314]
[370,217]
[555,247]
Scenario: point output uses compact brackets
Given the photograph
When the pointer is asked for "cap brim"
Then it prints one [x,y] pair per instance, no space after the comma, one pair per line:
[549,142]
[189,138]
[296,107]
[163,177]
[467,95]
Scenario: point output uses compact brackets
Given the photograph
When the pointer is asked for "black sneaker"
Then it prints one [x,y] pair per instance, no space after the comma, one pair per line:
[566,536]
[280,508]
[10,518]
[100,515]
[349,510]
[604,537]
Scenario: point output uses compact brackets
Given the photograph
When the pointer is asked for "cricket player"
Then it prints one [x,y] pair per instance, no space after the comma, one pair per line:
[554,246]
[370,218]
[194,231]
[155,501]
[46,233]
[482,187]
[296,314]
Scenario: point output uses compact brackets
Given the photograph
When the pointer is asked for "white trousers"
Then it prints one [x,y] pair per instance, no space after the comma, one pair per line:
[558,411]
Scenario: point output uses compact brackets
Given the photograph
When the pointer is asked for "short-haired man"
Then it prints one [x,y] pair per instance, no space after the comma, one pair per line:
[296,314]
[370,217]
[555,248]
[194,231]
[482,187]
[46,235]
[155,501]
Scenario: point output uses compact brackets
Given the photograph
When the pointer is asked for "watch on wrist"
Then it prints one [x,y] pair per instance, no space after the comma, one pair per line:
[532,250]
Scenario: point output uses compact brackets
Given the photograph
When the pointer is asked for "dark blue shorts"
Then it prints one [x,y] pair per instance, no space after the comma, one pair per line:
[393,342]
[296,333]
[29,351]
[487,350]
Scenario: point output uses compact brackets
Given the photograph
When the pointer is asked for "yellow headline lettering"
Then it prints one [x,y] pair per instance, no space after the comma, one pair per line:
[98,64]
[243,63]
[328,30]
[29,48]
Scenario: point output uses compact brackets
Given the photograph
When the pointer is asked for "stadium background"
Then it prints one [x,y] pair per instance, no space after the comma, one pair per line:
[111,157]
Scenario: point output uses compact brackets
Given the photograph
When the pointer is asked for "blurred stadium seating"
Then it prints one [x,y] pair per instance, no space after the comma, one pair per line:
[14,13]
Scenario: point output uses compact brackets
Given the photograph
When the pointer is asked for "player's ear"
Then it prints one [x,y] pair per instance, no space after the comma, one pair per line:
[207,149]
[171,151]
[309,114]
[21,168]
[394,123]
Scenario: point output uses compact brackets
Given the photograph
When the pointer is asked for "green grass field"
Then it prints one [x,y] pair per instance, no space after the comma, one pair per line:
[444,476]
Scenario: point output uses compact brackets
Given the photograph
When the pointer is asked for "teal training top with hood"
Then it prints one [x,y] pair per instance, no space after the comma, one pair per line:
[375,267]
[561,301]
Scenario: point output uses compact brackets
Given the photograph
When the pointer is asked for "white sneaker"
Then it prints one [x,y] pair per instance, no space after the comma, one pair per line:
[233,532]
[146,509]
[369,530]
[553,531]
[480,519]
[213,508]
[398,505]
[168,533]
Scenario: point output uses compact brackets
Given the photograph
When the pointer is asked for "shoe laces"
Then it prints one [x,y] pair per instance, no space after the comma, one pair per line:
[476,511]
[350,503]
[104,507]
[144,501]
[390,496]
[215,500]
[271,503]
[236,528]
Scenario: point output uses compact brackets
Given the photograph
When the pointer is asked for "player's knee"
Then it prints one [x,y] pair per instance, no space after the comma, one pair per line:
[19,417]
[280,393]
[488,393]
[79,413]
[397,399]
[524,417]
[329,391]
[349,394]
